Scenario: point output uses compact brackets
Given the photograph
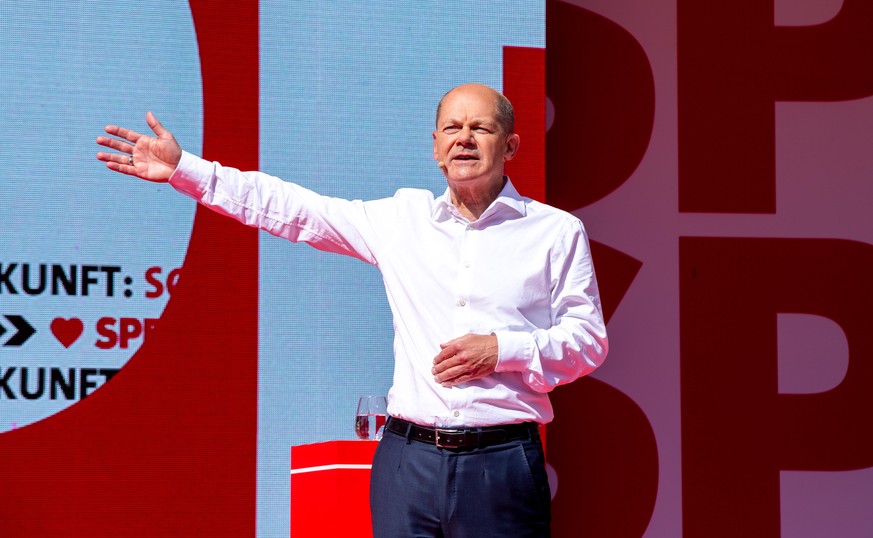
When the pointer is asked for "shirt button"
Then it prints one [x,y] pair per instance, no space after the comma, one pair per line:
[457,413]
[462,302]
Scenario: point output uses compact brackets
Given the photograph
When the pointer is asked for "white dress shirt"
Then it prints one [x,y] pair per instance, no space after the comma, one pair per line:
[522,272]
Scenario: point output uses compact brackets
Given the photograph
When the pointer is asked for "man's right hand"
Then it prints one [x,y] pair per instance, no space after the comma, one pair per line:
[154,158]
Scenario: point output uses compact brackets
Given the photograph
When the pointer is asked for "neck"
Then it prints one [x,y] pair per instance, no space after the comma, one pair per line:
[472,202]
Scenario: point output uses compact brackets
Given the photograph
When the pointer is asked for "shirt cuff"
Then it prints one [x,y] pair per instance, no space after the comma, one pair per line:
[515,351]
[192,175]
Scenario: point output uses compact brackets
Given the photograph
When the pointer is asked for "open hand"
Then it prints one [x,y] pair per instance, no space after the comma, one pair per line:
[150,158]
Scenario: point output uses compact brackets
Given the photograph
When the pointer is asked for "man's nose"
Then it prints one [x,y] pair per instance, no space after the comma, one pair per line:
[465,137]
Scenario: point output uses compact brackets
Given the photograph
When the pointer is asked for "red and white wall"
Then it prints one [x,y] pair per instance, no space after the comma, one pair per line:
[718,155]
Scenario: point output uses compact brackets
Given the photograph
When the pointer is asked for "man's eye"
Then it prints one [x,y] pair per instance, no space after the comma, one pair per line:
[451,130]
[482,130]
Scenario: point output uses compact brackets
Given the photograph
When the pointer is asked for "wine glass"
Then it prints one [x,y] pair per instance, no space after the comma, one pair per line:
[371,417]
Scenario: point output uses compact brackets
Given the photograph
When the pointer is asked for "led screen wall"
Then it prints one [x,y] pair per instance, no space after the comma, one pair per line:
[158,361]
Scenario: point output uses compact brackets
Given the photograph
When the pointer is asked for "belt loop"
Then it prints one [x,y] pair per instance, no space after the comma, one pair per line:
[408,432]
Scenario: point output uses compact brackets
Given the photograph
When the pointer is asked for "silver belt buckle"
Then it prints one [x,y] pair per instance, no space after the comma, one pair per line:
[440,443]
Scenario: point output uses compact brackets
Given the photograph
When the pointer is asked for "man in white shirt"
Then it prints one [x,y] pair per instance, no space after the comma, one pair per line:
[494,300]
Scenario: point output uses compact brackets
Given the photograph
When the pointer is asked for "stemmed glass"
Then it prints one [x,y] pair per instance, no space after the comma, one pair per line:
[371,417]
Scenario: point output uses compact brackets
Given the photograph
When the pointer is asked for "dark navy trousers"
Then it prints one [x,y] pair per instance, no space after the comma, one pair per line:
[419,490]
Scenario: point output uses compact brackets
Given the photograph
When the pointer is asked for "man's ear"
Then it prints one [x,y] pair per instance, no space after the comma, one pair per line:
[435,157]
[512,142]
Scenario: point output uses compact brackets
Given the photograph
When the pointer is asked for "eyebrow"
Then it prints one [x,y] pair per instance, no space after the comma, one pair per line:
[474,122]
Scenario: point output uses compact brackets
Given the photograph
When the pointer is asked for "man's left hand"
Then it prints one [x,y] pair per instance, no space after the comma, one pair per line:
[468,357]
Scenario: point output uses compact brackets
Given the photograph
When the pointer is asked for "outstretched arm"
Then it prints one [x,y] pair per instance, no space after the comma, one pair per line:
[146,157]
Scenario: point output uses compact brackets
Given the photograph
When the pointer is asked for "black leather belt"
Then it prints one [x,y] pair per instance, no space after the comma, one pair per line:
[463,438]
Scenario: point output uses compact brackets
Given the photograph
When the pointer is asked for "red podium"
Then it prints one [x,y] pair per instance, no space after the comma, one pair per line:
[330,489]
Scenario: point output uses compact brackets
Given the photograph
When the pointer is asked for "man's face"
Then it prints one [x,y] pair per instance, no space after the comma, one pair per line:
[469,140]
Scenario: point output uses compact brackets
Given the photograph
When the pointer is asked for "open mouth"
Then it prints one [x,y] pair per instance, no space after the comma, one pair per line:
[465,158]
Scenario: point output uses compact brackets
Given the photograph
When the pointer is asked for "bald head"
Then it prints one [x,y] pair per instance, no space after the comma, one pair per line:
[504,113]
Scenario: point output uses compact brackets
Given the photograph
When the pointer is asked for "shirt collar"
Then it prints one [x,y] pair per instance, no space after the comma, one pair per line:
[508,197]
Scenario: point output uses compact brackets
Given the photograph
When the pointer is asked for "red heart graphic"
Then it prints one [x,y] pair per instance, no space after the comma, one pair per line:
[67,331]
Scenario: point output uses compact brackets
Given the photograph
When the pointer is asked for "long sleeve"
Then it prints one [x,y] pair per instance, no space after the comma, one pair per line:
[576,342]
[281,208]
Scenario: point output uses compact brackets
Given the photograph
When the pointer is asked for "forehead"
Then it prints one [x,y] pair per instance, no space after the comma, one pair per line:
[467,104]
